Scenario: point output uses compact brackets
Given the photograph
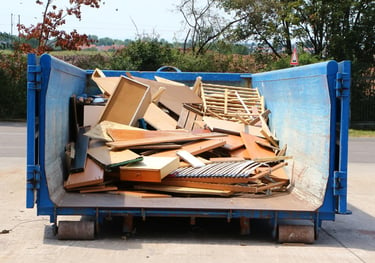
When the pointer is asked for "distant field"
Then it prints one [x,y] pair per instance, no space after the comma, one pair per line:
[361,133]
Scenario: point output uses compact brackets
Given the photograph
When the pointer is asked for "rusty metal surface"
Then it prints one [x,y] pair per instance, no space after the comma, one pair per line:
[76,230]
[296,234]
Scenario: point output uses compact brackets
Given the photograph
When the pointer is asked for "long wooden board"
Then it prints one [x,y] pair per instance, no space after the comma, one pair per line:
[195,147]
[117,145]
[231,127]
[140,194]
[182,190]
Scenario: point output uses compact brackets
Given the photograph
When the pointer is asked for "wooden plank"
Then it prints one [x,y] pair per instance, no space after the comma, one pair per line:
[255,151]
[140,194]
[191,159]
[181,190]
[126,135]
[99,131]
[213,186]
[168,81]
[226,159]
[106,84]
[195,147]
[93,174]
[160,146]
[268,170]
[78,163]
[218,180]
[99,189]
[182,118]
[150,169]
[272,159]
[128,103]
[159,119]
[110,159]
[217,125]
[241,152]
[117,145]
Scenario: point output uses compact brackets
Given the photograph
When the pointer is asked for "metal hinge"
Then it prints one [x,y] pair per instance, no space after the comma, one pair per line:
[342,87]
[339,183]
[33,77]
[33,177]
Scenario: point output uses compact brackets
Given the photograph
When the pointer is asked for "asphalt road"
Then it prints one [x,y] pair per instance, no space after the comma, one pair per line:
[26,237]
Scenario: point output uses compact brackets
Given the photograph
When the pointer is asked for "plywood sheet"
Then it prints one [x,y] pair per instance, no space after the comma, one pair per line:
[128,103]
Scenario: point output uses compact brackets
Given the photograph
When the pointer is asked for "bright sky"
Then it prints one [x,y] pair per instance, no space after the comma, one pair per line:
[117,19]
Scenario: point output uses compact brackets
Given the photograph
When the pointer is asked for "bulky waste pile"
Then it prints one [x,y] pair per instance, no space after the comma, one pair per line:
[160,138]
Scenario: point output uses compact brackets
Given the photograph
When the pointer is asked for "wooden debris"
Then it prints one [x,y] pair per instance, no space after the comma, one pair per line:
[109,159]
[92,175]
[182,190]
[135,95]
[150,169]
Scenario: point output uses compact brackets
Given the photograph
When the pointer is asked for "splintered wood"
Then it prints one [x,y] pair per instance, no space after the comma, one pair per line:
[173,140]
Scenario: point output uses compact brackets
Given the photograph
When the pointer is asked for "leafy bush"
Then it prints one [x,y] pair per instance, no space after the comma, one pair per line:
[13,86]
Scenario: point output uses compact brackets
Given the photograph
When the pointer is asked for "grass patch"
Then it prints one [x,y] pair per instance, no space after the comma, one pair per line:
[361,133]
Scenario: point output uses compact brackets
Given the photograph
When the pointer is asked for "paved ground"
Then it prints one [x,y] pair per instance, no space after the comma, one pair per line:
[30,238]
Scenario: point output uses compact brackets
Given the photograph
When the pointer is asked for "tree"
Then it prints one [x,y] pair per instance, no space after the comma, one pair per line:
[205,25]
[47,32]
[267,22]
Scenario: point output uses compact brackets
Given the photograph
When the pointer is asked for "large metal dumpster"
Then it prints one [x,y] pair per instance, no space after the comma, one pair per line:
[309,110]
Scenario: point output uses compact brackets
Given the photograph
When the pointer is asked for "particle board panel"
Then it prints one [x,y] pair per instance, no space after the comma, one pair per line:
[195,147]
[231,127]
[128,103]
[117,145]
[174,95]
[93,174]
[126,135]
[99,131]
[150,169]
[110,159]
[159,119]
[254,149]
[106,84]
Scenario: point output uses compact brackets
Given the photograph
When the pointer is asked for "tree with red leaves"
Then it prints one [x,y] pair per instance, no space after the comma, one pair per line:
[47,32]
